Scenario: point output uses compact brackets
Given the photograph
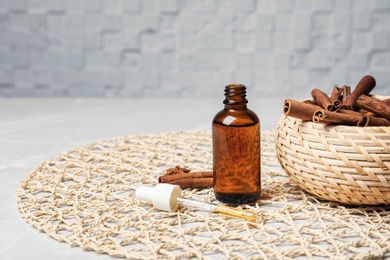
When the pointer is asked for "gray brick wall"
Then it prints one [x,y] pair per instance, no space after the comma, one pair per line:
[190,48]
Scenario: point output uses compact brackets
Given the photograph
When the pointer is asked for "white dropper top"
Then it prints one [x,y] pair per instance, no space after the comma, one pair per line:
[164,196]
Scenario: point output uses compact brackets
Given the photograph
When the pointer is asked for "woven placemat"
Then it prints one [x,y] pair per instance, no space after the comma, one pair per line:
[85,197]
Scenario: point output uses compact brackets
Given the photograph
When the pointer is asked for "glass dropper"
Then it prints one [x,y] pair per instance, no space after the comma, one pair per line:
[243,214]
[168,197]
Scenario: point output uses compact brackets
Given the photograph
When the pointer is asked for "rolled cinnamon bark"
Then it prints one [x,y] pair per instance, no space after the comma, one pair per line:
[352,112]
[175,177]
[365,85]
[322,99]
[387,101]
[336,93]
[327,117]
[371,120]
[336,105]
[335,97]
[363,111]
[194,183]
[301,110]
[377,107]
[346,94]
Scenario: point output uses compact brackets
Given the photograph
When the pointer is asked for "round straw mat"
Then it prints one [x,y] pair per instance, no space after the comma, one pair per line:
[85,197]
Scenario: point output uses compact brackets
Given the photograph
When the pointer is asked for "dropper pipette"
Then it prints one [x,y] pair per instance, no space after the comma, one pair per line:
[247,215]
[168,197]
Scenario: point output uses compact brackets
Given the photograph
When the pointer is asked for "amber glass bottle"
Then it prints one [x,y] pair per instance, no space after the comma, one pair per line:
[236,149]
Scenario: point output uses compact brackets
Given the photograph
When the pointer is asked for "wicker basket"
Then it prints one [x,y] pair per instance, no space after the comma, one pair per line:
[340,163]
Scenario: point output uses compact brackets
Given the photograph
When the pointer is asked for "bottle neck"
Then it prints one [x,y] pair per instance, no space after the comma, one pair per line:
[235,97]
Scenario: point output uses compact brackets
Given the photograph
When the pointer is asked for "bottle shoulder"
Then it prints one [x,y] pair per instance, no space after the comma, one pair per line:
[245,117]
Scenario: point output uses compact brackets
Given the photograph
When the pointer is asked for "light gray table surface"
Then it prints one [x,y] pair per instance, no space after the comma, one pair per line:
[35,130]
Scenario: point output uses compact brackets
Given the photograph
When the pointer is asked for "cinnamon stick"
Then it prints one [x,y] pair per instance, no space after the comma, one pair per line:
[301,110]
[327,117]
[322,99]
[176,170]
[180,176]
[371,120]
[365,85]
[363,111]
[346,94]
[377,107]
[186,179]
[387,101]
[335,97]
[352,112]
[336,93]
[336,105]
[194,183]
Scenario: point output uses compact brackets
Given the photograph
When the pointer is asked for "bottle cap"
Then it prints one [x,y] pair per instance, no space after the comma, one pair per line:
[163,196]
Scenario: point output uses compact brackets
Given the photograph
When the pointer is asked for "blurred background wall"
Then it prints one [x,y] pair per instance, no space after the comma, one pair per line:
[190,48]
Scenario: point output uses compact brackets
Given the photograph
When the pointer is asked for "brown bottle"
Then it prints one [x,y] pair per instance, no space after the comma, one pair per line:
[236,149]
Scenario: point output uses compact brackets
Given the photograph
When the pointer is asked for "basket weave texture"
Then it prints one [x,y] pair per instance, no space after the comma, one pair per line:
[340,163]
